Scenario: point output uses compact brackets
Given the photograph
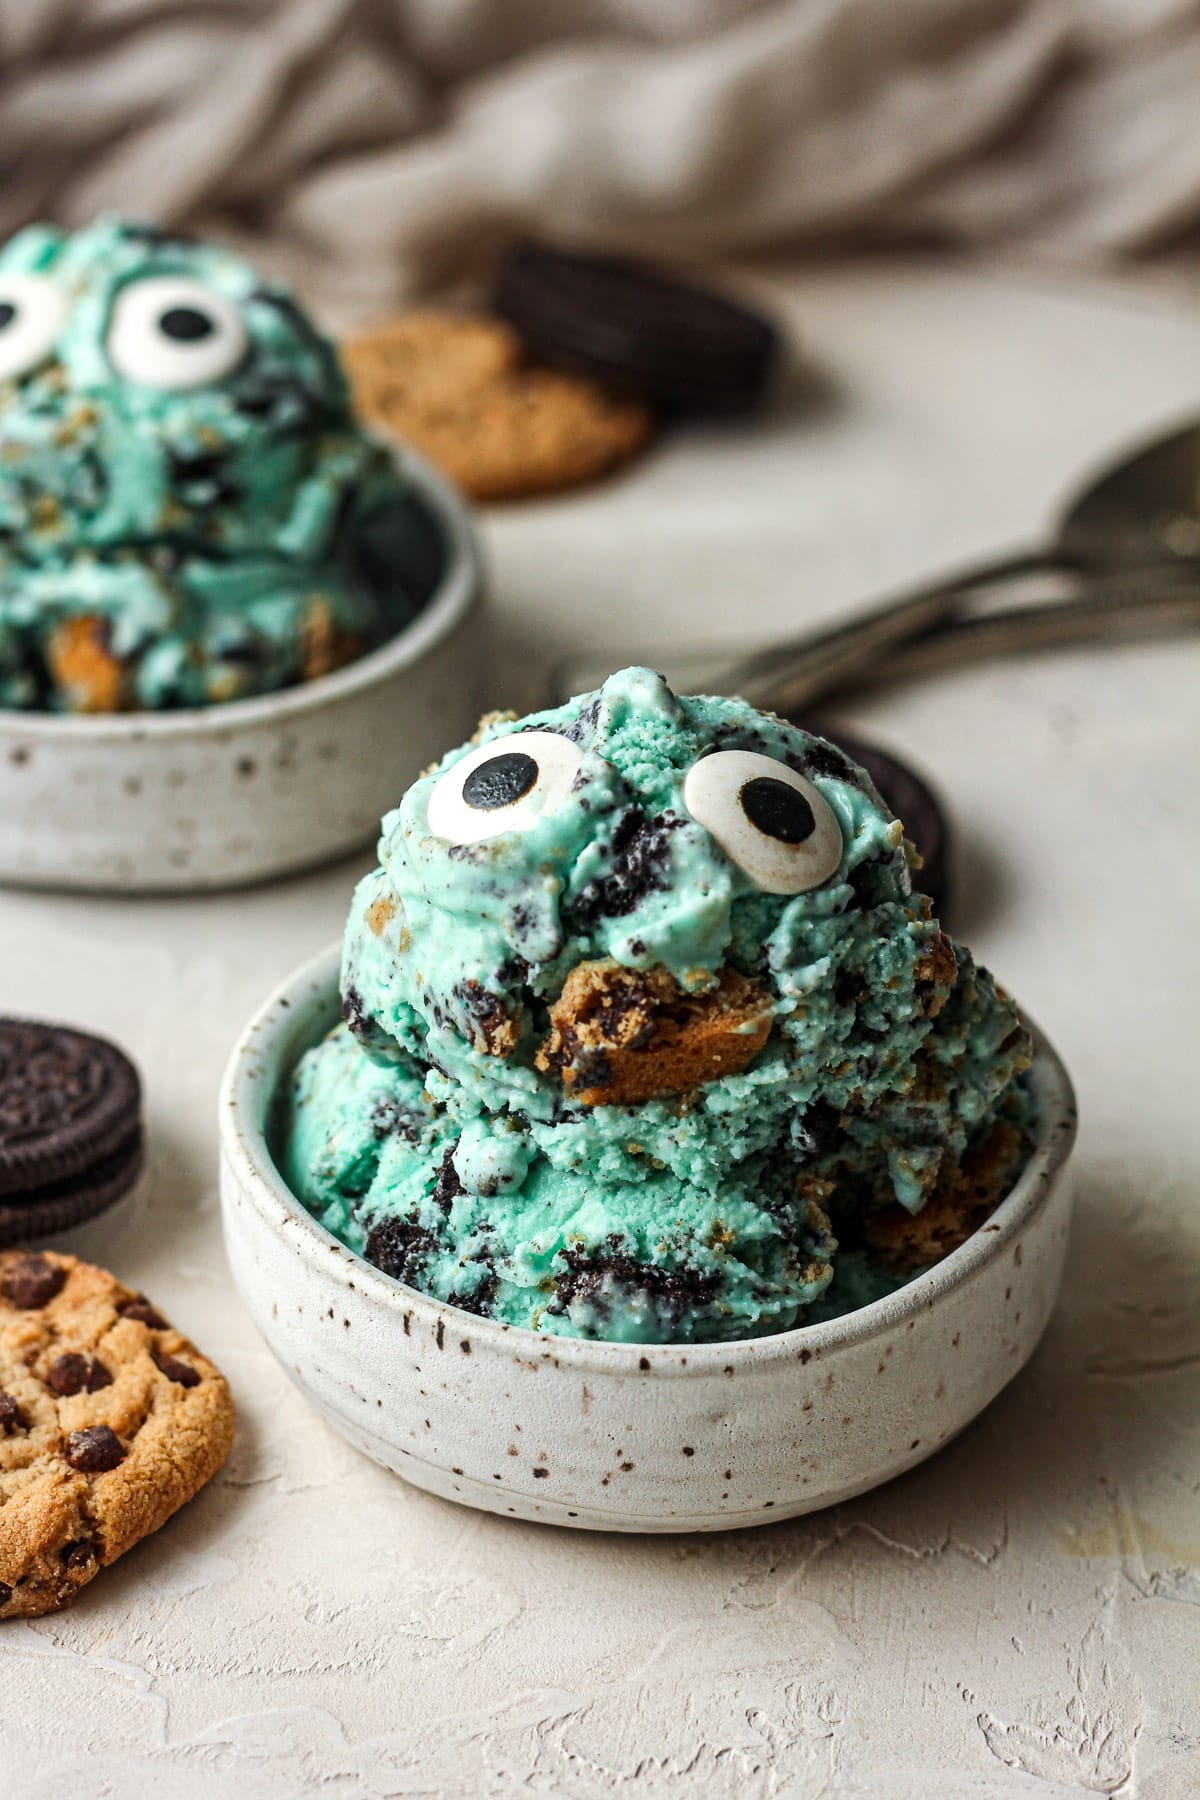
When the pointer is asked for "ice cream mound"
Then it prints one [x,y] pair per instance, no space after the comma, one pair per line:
[642,1018]
[189,512]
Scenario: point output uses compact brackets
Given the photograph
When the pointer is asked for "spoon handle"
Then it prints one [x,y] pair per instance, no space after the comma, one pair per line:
[793,673]
[1119,608]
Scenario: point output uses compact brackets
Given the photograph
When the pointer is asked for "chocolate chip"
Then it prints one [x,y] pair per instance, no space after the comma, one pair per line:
[141,1310]
[94,1450]
[79,1556]
[11,1417]
[99,1377]
[174,1370]
[5,1593]
[68,1374]
[32,1282]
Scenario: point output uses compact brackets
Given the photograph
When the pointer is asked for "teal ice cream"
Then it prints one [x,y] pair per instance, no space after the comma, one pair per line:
[642,1016]
[189,511]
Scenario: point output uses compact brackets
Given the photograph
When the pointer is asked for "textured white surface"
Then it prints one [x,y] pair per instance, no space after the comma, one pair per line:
[1021,1616]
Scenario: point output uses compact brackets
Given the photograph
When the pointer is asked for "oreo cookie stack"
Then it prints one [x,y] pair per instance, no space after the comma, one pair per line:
[71,1136]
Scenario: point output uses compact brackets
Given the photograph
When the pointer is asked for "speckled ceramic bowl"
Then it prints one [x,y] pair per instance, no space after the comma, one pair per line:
[216,796]
[621,1437]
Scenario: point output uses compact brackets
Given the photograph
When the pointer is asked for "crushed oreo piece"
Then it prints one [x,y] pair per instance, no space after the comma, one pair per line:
[447,1187]
[401,1248]
[589,1271]
[639,866]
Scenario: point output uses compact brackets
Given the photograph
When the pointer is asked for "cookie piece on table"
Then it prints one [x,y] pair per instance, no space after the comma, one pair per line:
[459,388]
[71,1140]
[110,1421]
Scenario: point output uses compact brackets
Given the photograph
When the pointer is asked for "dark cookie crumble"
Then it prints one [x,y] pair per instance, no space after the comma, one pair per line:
[640,852]
[401,1248]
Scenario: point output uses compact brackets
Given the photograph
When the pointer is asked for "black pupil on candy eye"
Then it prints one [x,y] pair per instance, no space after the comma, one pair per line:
[8,313]
[186,324]
[777,810]
[499,781]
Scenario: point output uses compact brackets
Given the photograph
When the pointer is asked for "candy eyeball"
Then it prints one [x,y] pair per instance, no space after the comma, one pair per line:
[776,826]
[32,312]
[507,785]
[170,332]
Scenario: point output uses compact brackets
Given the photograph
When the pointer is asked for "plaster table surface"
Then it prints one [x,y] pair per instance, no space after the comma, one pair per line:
[1021,1615]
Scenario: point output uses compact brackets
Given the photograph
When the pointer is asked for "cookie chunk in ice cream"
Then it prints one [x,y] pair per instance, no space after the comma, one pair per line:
[642,1015]
[189,511]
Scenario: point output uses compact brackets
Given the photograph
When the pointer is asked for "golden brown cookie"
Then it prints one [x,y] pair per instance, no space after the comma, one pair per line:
[109,1421]
[325,647]
[83,667]
[958,1206]
[459,388]
[621,1036]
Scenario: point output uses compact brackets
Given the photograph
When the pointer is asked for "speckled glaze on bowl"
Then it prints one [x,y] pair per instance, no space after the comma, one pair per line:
[622,1437]
[218,796]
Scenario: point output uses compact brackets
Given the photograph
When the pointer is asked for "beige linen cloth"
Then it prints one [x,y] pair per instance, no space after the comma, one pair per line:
[375,148]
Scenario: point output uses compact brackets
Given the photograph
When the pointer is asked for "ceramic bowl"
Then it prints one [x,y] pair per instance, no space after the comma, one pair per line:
[622,1437]
[217,796]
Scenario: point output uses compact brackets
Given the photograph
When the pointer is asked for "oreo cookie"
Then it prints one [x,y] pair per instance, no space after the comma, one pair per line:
[71,1137]
[685,349]
[907,795]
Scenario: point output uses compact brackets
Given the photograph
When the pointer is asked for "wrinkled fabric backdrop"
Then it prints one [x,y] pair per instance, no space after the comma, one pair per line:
[374,149]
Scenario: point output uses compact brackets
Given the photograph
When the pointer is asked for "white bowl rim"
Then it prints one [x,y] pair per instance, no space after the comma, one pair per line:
[462,580]
[244,1143]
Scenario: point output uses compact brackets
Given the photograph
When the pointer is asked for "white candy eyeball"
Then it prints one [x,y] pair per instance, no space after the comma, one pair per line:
[170,332]
[507,785]
[33,310]
[775,825]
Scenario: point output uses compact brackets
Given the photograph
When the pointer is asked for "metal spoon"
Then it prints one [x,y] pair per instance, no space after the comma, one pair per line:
[1129,541]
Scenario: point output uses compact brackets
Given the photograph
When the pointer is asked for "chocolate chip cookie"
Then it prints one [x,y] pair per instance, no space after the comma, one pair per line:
[460,388]
[110,1421]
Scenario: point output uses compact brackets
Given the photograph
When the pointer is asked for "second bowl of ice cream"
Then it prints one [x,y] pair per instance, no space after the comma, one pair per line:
[213,581]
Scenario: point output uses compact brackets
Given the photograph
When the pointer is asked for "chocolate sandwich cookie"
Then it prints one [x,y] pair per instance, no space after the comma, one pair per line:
[110,1421]
[910,797]
[71,1138]
[685,349]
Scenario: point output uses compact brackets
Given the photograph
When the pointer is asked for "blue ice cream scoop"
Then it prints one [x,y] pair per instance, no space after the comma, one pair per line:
[642,1017]
[189,510]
